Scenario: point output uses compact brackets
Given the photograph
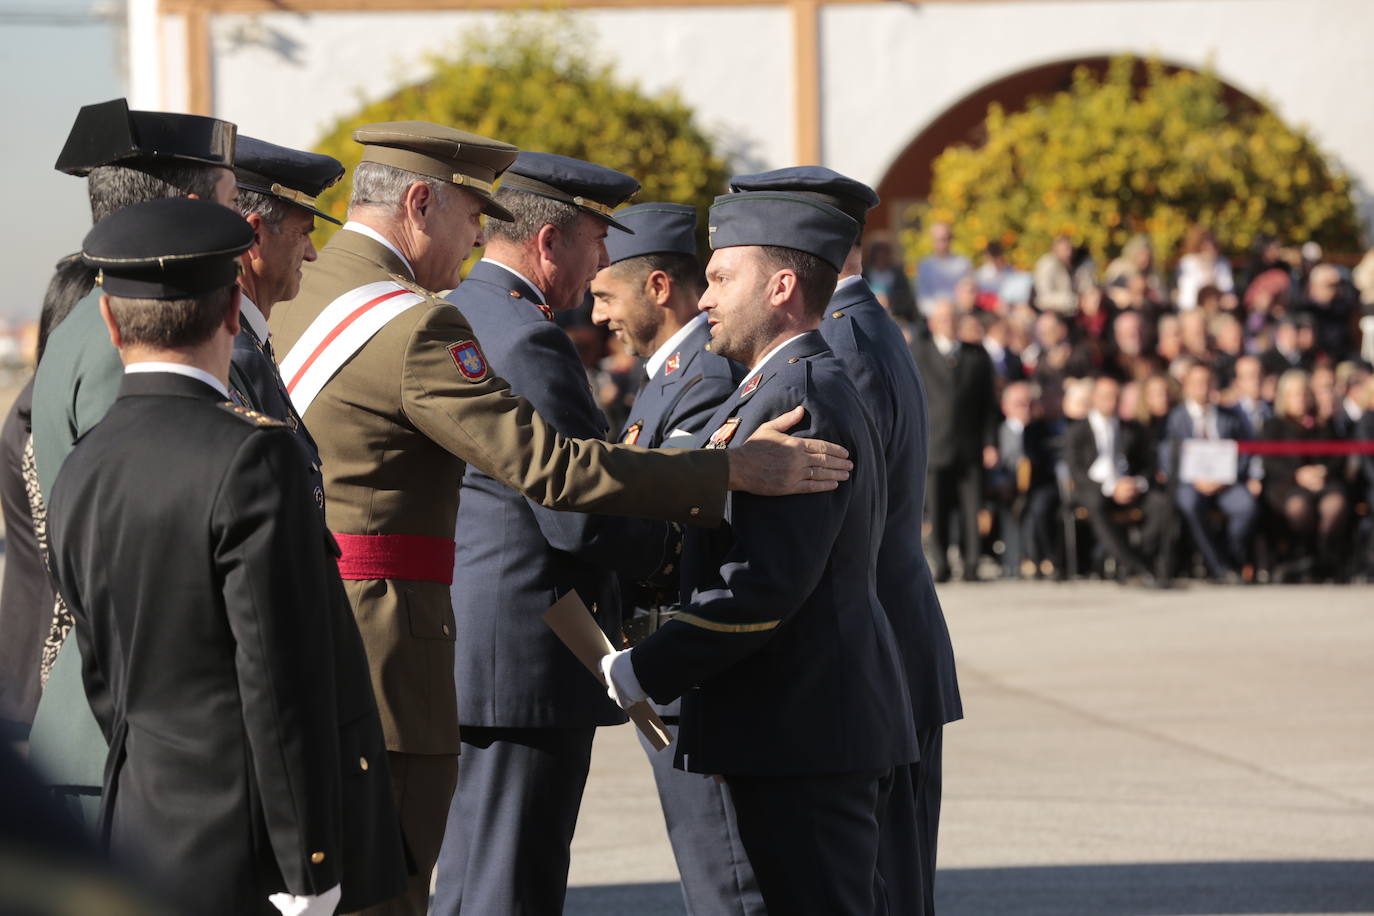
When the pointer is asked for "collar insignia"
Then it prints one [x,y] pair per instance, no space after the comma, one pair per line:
[673,363]
[548,312]
[749,388]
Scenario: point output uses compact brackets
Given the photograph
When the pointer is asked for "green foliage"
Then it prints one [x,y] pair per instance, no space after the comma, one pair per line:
[530,81]
[1108,158]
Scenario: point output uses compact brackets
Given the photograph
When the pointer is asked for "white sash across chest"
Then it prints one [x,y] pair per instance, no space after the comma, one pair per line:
[338,332]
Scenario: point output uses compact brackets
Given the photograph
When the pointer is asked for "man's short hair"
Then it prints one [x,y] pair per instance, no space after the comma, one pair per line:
[170,324]
[532,213]
[684,270]
[378,185]
[815,279]
[271,208]
[114,187]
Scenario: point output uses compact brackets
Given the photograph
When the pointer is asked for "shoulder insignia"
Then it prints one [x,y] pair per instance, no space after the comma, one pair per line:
[673,363]
[548,312]
[749,388]
[837,314]
[721,437]
[469,359]
[248,415]
[410,285]
[515,294]
[631,435]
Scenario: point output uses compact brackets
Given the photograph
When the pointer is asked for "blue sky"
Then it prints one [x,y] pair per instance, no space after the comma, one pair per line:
[46,73]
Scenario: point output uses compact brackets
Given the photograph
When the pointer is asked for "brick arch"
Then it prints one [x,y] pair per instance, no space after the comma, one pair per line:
[908,178]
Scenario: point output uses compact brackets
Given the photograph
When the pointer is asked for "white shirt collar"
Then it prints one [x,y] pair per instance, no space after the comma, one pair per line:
[1015,425]
[364,229]
[766,357]
[943,344]
[179,369]
[255,318]
[1197,411]
[1354,410]
[848,281]
[526,280]
[655,362]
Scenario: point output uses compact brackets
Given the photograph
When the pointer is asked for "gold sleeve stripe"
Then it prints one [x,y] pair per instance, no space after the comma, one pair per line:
[705,624]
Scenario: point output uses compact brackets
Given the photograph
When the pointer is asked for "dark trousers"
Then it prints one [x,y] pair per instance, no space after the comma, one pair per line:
[1028,528]
[1112,535]
[960,486]
[813,840]
[512,820]
[422,785]
[1240,509]
[717,879]
[911,829]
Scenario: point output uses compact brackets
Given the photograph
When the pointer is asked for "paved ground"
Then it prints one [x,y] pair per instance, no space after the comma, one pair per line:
[1200,752]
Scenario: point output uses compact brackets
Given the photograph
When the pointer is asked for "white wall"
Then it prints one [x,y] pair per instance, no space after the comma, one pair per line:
[732,65]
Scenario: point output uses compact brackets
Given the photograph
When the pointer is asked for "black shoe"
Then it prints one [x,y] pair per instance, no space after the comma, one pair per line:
[942,573]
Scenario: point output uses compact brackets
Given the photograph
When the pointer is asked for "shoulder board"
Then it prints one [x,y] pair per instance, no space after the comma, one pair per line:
[248,415]
[410,285]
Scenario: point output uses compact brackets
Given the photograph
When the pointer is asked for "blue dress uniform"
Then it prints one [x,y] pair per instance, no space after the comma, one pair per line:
[791,683]
[676,401]
[863,336]
[527,709]
[219,653]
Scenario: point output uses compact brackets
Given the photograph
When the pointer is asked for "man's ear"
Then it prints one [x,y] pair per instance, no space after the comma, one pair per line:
[659,287]
[255,220]
[546,242]
[231,314]
[782,286]
[107,315]
[417,203]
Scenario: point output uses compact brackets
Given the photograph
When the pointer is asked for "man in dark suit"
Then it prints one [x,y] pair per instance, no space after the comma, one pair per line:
[528,711]
[875,355]
[219,652]
[1110,469]
[648,297]
[790,677]
[1024,484]
[1199,417]
[963,428]
[277,191]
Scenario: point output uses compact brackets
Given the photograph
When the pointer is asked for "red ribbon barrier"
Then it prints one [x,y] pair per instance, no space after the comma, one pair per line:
[1299,447]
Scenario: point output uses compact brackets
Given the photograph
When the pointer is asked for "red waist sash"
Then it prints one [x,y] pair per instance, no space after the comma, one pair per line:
[396,556]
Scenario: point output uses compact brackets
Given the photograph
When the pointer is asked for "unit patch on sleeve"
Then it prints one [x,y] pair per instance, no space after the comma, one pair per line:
[467,356]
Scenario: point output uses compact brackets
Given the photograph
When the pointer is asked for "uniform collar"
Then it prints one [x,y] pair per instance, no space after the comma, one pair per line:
[181,369]
[757,371]
[365,230]
[672,344]
[257,322]
[538,293]
[849,292]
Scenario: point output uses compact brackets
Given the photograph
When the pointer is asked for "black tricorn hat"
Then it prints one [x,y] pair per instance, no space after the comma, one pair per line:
[109,133]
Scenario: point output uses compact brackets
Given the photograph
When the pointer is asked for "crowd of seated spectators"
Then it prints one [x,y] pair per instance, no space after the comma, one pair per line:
[1063,400]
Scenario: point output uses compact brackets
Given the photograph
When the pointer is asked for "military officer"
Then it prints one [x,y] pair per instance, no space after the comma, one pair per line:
[791,685]
[126,157]
[277,191]
[648,297]
[527,709]
[863,336]
[397,391]
[246,770]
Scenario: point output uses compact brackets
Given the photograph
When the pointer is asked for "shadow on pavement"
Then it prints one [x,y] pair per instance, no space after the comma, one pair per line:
[1167,889]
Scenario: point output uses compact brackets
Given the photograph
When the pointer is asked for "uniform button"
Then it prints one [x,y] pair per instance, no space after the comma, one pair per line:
[362,764]
[794,359]
[667,569]
[445,629]
[837,315]
[316,858]
[694,511]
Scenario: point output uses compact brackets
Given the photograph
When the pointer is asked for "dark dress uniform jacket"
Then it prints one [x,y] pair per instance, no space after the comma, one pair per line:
[253,373]
[689,386]
[783,655]
[514,557]
[877,360]
[246,754]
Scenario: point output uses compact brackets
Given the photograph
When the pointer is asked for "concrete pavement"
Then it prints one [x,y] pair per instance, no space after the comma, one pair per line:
[1199,752]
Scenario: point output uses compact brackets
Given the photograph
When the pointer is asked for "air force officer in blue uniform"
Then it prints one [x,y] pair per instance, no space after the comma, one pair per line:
[863,336]
[648,297]
[791,684]
[527,709]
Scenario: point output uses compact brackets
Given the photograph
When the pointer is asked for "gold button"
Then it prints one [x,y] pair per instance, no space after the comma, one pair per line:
[794,359]
[316,858]
[837,315]
[445,629]
[694,511]
[362,763]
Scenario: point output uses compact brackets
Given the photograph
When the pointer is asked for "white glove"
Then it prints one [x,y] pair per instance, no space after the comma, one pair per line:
[322,905]
[619,674]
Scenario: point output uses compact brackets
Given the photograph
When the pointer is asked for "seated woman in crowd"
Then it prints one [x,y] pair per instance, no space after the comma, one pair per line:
[1307,491]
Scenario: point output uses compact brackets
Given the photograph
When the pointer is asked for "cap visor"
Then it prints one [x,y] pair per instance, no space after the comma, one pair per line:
[610,219]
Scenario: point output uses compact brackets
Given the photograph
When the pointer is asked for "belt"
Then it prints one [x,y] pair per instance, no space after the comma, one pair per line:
[416,557]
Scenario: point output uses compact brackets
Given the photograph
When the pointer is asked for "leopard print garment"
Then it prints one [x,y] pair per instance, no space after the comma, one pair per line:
[61,617]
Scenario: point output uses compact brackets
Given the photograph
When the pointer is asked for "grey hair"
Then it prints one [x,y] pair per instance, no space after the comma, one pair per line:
[273,210]
[378,185]
[532,213]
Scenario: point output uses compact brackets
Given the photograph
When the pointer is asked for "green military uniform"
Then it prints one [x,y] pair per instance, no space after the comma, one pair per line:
[396,425]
